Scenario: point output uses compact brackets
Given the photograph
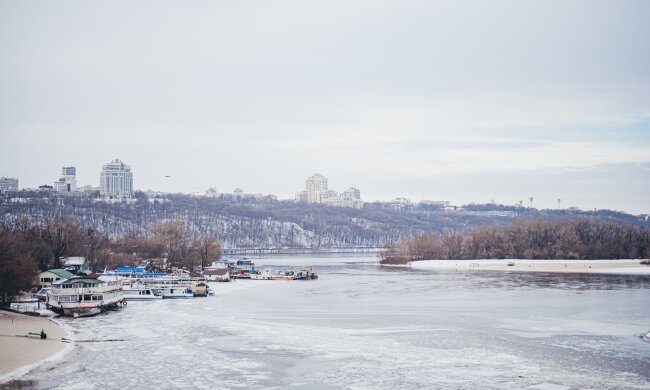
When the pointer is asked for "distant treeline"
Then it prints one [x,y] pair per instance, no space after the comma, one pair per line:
[540,239]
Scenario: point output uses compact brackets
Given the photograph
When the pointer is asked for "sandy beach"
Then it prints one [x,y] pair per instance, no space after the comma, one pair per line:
[22,353]
[624,267]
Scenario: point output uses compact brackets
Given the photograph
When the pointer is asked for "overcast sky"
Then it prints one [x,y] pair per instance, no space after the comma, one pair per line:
[442,100]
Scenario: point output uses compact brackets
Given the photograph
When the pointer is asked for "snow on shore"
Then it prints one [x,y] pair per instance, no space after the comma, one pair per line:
[564,266]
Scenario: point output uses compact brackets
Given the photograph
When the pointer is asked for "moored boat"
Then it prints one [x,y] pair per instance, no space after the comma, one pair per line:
[174,292]
[266,274]
[81,296]
[140,294]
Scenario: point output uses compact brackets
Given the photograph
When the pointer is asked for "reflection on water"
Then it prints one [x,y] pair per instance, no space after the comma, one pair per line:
[361,325]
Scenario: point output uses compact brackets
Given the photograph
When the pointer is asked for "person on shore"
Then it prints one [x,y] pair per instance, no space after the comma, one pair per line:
[43,335]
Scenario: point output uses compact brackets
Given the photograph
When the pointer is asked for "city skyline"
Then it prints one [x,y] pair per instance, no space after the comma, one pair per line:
[527,200]
[462,101]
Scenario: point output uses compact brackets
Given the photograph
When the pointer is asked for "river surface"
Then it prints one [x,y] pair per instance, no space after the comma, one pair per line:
[363,326]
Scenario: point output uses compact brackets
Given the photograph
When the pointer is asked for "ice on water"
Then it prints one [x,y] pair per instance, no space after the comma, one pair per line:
[361,326]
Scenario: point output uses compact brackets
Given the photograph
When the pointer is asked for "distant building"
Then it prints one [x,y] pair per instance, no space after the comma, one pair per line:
[238,192]
[88,188]
[217,275]
[317,192]
[438,203]
[316,188]
[68,180]
[211,192]
[301,197]
[8,184]
[116,181]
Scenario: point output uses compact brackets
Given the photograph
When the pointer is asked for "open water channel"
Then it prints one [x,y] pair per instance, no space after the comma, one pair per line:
[363,326]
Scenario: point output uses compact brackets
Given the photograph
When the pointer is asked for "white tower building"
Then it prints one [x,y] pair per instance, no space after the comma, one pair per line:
[316,188]
[116,180]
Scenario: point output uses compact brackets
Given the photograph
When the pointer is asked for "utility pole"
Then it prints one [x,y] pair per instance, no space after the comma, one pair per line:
[531,202]
[559,201]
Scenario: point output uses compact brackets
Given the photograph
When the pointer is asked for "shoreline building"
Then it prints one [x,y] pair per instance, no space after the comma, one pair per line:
[8,184]
[68,181]
[116,181]
[316,191]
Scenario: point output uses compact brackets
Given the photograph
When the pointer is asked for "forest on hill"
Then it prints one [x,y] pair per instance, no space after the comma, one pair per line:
[240,222]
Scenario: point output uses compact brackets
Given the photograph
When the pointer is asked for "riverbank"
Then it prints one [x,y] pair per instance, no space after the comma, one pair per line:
[18,355]
[624,267]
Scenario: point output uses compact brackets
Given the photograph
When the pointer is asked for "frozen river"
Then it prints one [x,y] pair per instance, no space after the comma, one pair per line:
[362,326]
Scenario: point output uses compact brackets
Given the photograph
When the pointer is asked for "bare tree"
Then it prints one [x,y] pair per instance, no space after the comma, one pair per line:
[207,248]
[63,236]
[17,266]
[173,238]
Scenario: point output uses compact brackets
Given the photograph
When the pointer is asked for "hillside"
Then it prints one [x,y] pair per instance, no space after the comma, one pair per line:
[268,223]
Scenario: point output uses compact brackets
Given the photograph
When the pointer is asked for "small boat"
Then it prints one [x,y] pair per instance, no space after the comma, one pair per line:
[175,292]
[304,274]
[511,264]
[140,294]
[646,337]
[288,275]
[266,274]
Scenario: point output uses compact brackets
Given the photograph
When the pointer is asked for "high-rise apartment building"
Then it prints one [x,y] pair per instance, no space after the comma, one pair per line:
[68,180]
[8,184]
[317,192]
[352,193]
[116,180]
[316,188]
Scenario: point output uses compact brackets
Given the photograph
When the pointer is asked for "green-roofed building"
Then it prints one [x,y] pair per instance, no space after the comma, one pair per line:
[45,279]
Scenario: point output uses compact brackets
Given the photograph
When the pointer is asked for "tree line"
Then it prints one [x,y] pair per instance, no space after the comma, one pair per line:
[525,239]
[26,249]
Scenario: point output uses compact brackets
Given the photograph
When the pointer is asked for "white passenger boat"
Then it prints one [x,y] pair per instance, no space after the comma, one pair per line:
[174,292]
[265,274]
[140,294]
[286,275]
[84,296]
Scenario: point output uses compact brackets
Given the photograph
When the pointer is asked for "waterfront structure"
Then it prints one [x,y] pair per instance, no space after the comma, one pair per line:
[46,278]
[116,181]
[68,181]
[8,184]
[316,191]
[217,274]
